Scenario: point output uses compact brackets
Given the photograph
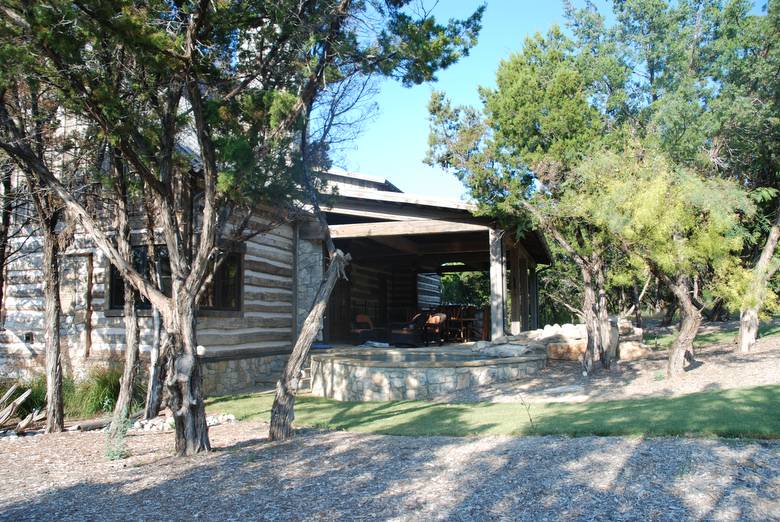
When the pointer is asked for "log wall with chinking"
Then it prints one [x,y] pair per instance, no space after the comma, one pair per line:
[240,349]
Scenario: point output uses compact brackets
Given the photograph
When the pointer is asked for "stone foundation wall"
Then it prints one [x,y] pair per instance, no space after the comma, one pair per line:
[240,375]
[346,381]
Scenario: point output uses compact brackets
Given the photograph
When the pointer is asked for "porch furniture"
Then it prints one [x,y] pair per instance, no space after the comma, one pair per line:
[409,333]
[455,326]
[362,329]
[434,329]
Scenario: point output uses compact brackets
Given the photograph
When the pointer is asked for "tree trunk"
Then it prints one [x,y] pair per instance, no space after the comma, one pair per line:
[5,225]
[607,349]
[51,293]
[183,380]
[156,370]
[748,329]
[762,273]
[690,319]
[127,383]
[591,319]
[154,389]
[282,412]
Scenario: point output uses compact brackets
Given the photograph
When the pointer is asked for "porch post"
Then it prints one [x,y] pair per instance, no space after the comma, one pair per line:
[514,290]
[497,283]
[523,291]
[534,296]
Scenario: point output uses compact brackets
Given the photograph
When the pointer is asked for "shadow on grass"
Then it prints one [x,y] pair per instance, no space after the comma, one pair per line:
[748,412]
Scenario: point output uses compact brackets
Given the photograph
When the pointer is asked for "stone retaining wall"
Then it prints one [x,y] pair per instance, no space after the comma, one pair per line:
[350,380]
[239,375]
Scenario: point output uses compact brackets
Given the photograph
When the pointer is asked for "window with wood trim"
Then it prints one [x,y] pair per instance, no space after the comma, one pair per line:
[142,264]
[222,293]
[224,290]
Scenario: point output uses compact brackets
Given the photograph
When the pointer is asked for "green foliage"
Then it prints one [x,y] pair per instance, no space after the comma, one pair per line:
[95,395]
[98,393]
[666,215]
[695,82]
[465,288]
[259,65]
[116,441]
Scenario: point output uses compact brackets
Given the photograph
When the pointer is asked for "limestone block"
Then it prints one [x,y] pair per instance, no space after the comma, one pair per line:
[574,331]
[635,337]
[625,327]
[569,351]
[506,350]
[481,345]
[632,350]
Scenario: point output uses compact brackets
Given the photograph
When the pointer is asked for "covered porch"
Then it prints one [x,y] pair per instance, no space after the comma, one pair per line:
[401,245]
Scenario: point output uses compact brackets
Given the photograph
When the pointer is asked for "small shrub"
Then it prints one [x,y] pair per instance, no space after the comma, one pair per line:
[660,375]
[98,393]
[116,448]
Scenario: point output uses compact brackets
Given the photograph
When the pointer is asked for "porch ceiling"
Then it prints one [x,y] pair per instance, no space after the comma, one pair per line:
[421,252]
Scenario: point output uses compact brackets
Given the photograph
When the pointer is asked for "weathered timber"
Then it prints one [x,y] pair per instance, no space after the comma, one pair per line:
[282,413]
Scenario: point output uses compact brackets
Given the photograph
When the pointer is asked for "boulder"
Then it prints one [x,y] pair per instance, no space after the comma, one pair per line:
[632,350]
[506,350]
[574,331]
[625,327]
[635,337]
[567,351]
[481,345]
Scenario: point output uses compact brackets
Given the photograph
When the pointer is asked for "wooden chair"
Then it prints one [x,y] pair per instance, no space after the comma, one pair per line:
[456,326]
[409,333]
[435,329]
[362,329]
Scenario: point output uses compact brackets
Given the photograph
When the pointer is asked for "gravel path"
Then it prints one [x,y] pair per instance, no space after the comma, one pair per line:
[562,381]
[338,475]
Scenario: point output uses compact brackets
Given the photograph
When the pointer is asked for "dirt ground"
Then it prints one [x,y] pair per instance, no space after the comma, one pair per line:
[337,475]
[349,476]
[562,381]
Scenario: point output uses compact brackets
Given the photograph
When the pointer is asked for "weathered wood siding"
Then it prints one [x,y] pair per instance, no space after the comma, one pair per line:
[94,334]
[428,290]
[369,293]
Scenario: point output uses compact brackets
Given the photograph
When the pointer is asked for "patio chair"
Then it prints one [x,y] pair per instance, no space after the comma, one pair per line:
[409,333]
[435,329]
[362,329]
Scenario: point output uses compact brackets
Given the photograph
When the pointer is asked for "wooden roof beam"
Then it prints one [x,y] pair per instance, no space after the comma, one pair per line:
[402,228]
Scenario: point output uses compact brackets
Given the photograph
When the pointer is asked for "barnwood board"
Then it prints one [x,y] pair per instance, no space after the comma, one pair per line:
[401,228]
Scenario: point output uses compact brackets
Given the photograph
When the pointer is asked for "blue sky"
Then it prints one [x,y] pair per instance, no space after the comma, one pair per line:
[394,143]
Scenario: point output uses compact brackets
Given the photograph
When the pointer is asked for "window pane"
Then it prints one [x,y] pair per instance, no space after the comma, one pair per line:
[142,265]
[224,292]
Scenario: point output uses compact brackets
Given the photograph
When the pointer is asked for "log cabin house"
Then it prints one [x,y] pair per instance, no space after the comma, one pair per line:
[399,243]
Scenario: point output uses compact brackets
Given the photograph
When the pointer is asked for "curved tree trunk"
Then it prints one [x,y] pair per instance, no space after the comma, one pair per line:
[283,412]
[51,293]
[762,273]
[690,319]
[127,383]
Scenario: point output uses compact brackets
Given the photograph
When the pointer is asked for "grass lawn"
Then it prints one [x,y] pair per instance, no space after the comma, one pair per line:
[747,412]
[708,339]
